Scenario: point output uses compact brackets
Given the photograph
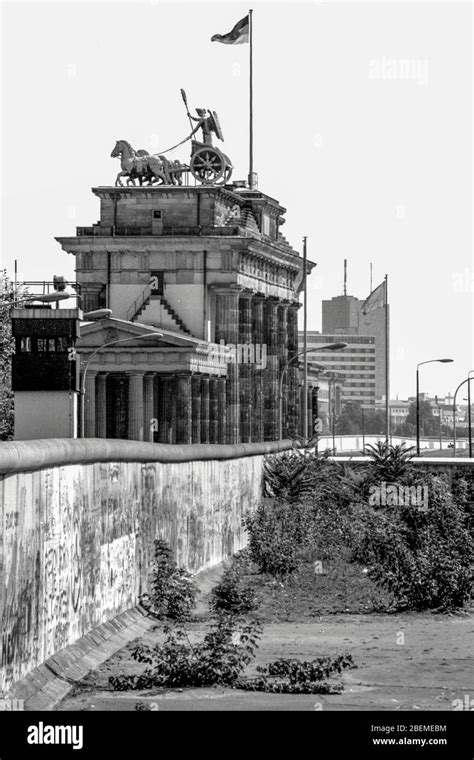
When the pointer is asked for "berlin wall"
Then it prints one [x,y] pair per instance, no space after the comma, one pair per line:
[79,519]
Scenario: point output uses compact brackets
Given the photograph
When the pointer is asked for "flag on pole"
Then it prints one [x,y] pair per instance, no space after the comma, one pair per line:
[238,35]
[375,300]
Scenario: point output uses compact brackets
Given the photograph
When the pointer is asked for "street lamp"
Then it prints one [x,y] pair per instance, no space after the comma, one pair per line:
[469,428]
[440,431]
[429,361]
[329,347]
[454,410]
[84,374]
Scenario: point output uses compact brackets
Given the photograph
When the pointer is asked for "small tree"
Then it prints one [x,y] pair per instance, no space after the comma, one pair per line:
[173,590]
[8,296]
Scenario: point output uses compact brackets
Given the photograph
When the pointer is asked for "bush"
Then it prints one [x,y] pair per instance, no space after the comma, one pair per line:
[233,595]
[299,676]
[276,531]
[218,660]
[390,464]
[173,590]
[293,474]
[421,556]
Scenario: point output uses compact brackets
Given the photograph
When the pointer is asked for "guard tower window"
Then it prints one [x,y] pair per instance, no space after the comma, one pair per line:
[62,345]
[25,344]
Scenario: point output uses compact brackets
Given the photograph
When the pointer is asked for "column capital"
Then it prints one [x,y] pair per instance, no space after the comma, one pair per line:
[247,294]
[226,290]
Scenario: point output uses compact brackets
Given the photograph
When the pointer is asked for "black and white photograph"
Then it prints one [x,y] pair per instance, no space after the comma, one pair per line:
[237,377]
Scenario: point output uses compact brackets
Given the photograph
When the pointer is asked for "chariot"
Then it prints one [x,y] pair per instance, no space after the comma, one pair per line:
[209,165]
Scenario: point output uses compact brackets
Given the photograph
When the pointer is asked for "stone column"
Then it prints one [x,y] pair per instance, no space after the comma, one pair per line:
[309,406]
[301,427]
[293,427]
[90,405]
[246,359]
[204,409]
[227,329]
[221,410]
[196,407]
[271,379]
[166,409]
[213,411]
[183,408]
[160,408]
[260,366]
[91,296]
[314,406]
[135,406]
[282,363]
[149,419]
[102,405]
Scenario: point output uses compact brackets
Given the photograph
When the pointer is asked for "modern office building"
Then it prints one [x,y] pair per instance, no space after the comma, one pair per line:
[343,315]
[355,364]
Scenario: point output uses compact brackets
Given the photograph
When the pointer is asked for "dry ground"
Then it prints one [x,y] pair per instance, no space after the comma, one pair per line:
[411,661]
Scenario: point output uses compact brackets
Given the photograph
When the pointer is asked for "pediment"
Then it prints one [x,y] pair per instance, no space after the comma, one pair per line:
[95,334]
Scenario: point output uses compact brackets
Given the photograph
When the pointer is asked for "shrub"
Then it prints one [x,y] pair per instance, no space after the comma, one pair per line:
[422,556]
[299,676]
[293,474]
[233,594]
[173,590]
[389,463]
[276,531]
[218,660]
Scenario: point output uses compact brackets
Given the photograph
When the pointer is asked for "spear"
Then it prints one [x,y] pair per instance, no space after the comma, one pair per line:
[185,100]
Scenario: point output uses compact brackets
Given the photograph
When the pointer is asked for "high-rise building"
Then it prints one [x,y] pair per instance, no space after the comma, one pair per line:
[343,315]
[355,364]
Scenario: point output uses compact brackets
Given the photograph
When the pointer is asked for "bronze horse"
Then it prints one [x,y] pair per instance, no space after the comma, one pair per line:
[140,165]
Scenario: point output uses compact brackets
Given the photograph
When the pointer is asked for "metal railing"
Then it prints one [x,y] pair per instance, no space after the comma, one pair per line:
[138,303]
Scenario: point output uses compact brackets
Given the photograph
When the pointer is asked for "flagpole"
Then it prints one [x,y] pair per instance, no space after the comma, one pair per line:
[251,182]
[387,367]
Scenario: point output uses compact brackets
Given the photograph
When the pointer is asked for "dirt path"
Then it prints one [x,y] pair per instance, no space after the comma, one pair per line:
[405,662]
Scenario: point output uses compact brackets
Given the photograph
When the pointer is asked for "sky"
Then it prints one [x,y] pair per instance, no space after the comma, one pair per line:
[362,131]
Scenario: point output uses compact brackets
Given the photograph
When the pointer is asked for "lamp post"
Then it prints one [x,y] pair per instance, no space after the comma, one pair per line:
[429,361]
[454,411]
[440,431]
[84,374]
[329,347]
[469,428]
